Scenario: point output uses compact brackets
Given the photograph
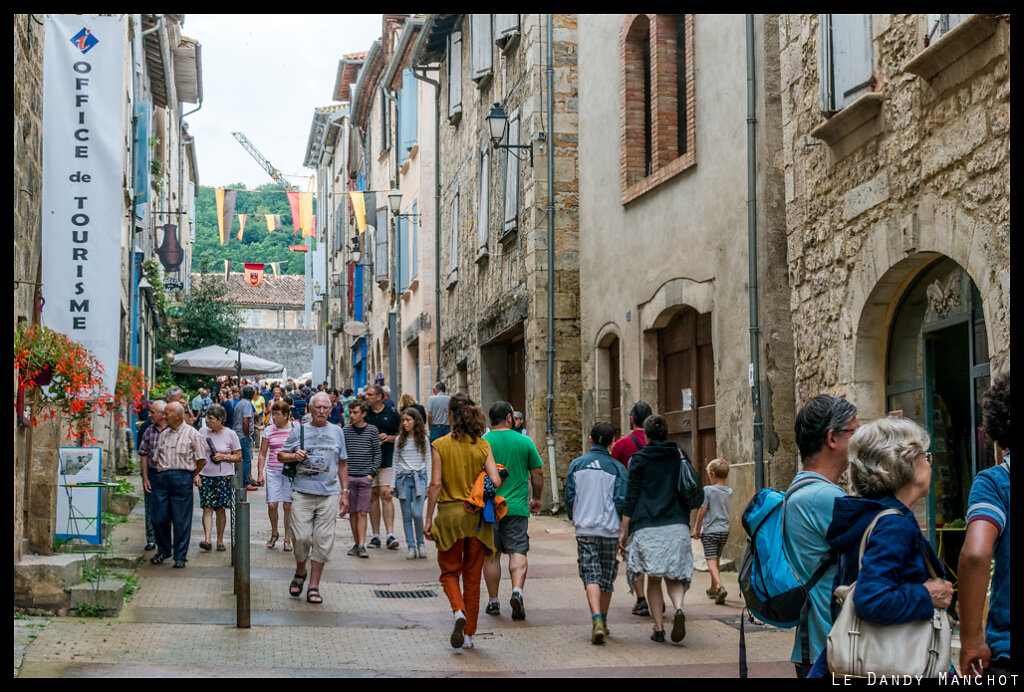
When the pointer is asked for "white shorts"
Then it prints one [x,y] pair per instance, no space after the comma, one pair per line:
[279,488]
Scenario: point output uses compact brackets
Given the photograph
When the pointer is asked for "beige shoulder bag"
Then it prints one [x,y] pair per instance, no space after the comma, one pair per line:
[856,647]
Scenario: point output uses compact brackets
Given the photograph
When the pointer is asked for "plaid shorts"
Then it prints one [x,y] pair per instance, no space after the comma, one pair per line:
[713,544]
[598,561]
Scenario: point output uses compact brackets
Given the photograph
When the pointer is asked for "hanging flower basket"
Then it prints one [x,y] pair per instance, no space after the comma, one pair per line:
[129,389]
[65,377]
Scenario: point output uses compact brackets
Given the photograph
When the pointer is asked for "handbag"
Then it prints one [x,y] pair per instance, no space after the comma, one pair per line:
[688,485]
[857,647]
[290,469]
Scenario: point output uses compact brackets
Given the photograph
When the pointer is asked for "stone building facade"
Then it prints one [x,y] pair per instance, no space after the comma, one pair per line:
[664,274]
[898,219]
[492,264]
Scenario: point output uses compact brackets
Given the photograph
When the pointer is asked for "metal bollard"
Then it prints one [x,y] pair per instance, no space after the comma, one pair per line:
[242,567]
[235,490]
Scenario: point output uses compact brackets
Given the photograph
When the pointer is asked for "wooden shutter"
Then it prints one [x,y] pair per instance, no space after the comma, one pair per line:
[847,64]
[455,74]
[453,243]
[506,26]
[414,254]
[483,210]
[402,223]
[938,24]
[482,48]
[511,207]
[407,125]
[380,236]
[385,121]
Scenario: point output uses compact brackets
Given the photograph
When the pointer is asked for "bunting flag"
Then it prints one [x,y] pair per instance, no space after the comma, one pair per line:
[253,274]
[306,213]
[227,268]
[241,227]
[225,212]
[276,266]
[359,209]
[293,202]
[273,222]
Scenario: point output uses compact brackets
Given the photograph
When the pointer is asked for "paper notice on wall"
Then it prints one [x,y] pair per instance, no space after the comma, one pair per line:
[82,206]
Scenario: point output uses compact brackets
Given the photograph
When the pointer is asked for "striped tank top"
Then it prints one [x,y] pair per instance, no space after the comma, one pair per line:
[275,437]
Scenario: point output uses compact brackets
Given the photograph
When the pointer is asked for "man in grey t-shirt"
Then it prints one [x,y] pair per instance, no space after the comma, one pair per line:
[437,412]
[244,425]
[322,473]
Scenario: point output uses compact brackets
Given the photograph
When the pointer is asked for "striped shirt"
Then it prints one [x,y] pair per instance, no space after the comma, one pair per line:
[409,460]
[147,445]
[363,446]
[178,450]
[275,437]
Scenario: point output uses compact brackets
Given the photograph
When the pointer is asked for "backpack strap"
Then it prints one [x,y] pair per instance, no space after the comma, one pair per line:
[803,483]
[636,442]
[805,610]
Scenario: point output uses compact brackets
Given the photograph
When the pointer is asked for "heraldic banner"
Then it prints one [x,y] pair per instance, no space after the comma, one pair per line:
[253,274]
[83,223]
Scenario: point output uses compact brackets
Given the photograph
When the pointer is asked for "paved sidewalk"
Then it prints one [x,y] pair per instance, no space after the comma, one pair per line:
[181,621]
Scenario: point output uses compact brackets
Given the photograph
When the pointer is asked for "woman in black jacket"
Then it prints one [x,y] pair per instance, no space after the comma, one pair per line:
[655,527]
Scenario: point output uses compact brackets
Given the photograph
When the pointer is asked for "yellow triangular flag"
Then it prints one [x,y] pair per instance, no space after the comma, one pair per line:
[241,228]
[306,213]
[359,207]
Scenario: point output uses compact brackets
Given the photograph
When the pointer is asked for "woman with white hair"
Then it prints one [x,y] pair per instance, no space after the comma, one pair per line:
[890,468]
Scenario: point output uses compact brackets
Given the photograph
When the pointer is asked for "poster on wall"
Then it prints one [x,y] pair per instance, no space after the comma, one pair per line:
[83,153]
[79,502]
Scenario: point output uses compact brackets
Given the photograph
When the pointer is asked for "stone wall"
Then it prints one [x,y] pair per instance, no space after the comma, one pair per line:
[479,301]
[292,348]
[28,114]
[928,177]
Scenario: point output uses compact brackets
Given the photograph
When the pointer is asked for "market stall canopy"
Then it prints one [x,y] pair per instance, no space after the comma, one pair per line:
[217,360]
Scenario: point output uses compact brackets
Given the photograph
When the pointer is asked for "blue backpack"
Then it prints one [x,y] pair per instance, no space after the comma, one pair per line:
[771,589]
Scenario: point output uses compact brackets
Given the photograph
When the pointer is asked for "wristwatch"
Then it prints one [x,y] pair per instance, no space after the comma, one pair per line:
[344,490]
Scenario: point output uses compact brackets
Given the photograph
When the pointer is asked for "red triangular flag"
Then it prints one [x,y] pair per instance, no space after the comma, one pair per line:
[293,202]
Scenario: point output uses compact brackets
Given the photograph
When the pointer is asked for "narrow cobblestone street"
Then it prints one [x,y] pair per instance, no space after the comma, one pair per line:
[181,622]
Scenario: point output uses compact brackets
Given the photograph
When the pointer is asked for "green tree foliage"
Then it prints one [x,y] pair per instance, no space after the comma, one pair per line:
[257,245]
[208,319]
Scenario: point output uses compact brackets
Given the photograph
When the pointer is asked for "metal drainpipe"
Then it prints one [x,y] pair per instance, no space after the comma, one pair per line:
[437,214]
[755,389]
[551,268]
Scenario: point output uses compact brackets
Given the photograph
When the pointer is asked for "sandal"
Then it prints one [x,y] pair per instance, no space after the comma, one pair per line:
[287,547]
[273,540]
[313,596]
[205,545]
[298,581]
[158,558]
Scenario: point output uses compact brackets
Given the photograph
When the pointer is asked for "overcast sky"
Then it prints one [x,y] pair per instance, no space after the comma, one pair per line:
[288,63]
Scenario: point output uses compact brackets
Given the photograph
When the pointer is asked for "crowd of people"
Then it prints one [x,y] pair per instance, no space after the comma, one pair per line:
[469,483]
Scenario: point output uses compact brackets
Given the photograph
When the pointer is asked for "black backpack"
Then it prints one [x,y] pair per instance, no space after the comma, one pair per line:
[689,485]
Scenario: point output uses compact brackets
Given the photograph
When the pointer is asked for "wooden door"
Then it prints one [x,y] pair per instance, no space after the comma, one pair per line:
[614,391]
[686,362]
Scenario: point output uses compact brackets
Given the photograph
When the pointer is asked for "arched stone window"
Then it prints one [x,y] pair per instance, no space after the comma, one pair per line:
[658,131]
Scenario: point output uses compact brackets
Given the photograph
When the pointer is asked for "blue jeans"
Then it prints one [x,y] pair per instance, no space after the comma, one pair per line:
[246,444]
[412,510]
[437,431]
[172,509]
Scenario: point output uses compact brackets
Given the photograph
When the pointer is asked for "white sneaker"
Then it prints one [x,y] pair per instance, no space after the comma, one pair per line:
[468,643]
[412,553]
[421,552]
[458,637]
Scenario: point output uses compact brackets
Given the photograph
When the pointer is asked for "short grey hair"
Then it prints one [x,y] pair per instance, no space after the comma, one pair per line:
[159,405]
[173,392]
[882,455]
[319,395]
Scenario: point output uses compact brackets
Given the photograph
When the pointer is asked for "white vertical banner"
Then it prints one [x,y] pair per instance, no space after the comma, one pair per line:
[83,150]
[319,364]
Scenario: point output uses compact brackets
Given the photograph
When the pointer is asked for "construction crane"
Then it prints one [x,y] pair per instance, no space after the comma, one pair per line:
[254,152]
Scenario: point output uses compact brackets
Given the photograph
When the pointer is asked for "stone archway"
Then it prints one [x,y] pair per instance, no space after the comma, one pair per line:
[608,376]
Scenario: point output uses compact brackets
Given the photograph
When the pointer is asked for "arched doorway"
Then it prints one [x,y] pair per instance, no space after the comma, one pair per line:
[609,380]
[937,367]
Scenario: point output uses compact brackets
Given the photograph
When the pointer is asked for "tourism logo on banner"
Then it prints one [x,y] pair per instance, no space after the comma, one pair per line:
[253,274]
[83,211]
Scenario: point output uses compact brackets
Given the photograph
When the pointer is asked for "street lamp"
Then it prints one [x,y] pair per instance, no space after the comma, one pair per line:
[395,200]
[497,123]
[356,255]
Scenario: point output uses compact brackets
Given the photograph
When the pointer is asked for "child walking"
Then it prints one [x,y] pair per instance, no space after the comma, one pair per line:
[595,491]
[714,516]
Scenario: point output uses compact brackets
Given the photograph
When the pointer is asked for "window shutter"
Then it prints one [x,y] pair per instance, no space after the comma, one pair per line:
[385,121]
[455,74]
[938,24]
[852,64]
[453,243]
[414,254]
[483,209]
[511,215]
[403,253]
[482,48]
[505,27]
[380,236]
[407,116]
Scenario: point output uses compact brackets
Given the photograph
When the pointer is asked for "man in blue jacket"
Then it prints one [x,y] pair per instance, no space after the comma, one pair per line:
[595,491]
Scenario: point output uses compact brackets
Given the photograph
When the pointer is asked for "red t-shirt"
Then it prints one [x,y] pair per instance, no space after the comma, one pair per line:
[624,448]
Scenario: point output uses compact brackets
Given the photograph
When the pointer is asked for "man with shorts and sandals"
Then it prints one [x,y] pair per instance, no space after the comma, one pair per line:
[518,454]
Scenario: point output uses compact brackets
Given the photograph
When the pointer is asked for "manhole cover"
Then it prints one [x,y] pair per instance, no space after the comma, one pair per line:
[748,626]
[405,594]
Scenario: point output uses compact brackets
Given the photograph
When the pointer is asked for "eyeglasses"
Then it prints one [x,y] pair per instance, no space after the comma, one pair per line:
[928,457]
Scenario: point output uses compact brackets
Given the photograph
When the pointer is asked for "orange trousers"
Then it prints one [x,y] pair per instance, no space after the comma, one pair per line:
[465,559]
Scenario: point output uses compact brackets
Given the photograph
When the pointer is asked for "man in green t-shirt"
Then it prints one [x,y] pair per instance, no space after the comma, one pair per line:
[517,453]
